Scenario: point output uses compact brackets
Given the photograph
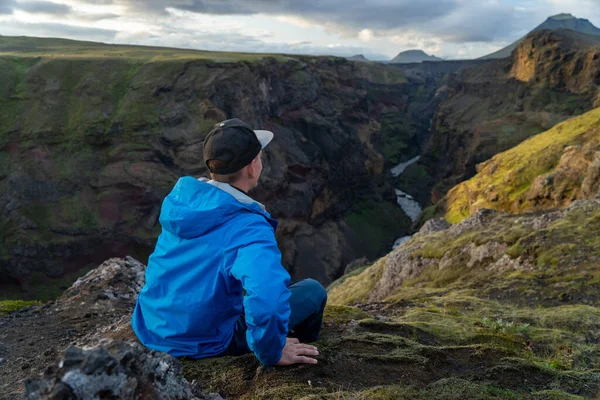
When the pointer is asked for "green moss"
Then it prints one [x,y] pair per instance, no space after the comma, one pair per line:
[378,225]
[343,314]
[457,389]
[554,395]
[357,287]
[8,306]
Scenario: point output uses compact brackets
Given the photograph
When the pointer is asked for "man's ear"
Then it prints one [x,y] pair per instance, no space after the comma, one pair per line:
[252,168]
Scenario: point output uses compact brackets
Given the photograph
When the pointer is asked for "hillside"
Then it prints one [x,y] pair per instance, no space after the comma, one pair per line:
[413,56]
[493,106]
[550,170]
[556,22]
[496,307]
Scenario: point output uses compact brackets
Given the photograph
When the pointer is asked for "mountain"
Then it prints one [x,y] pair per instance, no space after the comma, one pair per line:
[358,57]
[93,136]
[413,56]
[495,105]
[560,21]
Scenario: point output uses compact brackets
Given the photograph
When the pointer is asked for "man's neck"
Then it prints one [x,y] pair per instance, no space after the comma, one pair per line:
[235,186]
[241,185]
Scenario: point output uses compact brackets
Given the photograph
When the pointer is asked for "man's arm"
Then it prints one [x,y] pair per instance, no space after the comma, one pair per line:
[266,304]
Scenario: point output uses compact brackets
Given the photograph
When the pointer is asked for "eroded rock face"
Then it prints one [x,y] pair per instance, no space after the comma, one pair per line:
[137,128]
[115,369]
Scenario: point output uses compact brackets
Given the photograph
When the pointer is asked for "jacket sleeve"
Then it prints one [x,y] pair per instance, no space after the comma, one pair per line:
[266,303]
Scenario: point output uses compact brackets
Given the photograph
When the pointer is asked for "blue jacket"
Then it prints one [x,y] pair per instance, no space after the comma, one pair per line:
[215,244]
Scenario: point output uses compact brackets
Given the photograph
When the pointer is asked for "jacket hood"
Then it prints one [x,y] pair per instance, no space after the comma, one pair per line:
[194,207]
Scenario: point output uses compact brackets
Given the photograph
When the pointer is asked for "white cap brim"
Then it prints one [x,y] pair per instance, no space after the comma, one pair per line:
[264,137]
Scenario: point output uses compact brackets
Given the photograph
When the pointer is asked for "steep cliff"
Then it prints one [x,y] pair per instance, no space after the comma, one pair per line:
[92,137]
[492,107]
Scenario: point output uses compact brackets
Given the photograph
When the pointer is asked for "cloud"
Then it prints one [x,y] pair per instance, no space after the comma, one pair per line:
[93,17]
[447,28]
[6,7]
[43,7]
[233,41]
[452,20]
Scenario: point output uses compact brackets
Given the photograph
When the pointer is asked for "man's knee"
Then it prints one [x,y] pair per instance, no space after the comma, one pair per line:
[317,292]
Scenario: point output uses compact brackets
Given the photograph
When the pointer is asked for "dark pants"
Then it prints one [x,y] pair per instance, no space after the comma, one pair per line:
[307,304]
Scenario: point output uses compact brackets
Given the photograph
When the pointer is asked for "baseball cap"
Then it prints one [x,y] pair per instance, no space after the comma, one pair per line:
[235,144]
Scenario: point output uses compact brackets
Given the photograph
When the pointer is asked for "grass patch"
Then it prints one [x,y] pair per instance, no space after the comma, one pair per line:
[8,306]
[356,287]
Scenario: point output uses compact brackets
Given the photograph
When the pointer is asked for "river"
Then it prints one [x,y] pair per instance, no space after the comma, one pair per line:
[408,204]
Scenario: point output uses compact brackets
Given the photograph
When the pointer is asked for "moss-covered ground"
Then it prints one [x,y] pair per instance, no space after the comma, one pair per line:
[450,346]
[456,332]
[528,332]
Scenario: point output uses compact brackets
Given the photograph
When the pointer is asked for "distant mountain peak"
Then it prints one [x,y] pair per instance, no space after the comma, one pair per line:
[358,57]
[562,17]
[413,56]
[555,22]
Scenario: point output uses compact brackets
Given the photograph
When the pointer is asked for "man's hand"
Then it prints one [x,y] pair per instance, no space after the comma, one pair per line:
[295,352]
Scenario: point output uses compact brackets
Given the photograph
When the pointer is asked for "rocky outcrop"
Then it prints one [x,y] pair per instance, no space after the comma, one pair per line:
[90,147]
[116,369]
[490,254]
[96,308]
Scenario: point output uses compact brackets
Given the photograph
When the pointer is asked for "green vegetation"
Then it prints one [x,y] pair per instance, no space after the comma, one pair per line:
[42,288]
[534,319]
[381,74]
[64,48]
[8,306]
[354,287]
[398,137]
[431,347]
[378,225]
[504,182]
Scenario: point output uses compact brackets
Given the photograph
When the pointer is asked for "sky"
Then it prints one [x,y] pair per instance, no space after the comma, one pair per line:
[378,29]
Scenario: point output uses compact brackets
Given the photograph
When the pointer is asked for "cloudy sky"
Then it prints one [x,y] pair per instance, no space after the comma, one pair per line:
[379,29]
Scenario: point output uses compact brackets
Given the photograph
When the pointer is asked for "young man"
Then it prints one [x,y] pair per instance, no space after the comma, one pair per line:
[214,284]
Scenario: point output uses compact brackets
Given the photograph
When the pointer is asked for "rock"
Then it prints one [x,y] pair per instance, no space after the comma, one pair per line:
[590,187]
[432,226]
[356,264]
[115,370]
